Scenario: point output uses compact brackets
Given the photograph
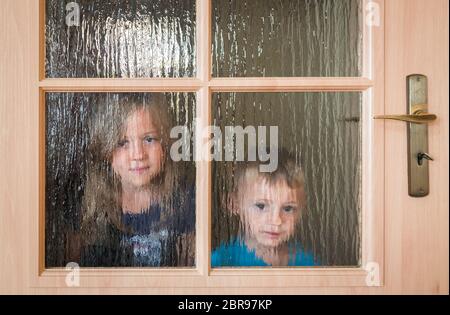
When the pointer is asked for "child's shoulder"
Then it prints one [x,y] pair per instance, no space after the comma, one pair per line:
[298,256]
[235,254]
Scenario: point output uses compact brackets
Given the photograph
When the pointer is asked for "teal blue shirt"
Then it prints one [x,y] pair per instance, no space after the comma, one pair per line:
[237,254]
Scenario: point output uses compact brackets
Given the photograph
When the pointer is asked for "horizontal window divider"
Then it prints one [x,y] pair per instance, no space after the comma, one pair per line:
[289,84]
[169,272]
[125,272]
[287,271]
[122,85]
[215,85]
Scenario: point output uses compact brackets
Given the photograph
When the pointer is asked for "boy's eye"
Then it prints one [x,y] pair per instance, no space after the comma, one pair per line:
[260,205]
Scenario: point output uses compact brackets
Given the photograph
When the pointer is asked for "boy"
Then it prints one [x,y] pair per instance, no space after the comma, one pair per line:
[269,206]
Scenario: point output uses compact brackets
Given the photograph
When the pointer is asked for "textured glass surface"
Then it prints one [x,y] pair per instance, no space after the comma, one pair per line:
[321,134]
[120,38]
[286,38]
[108,202]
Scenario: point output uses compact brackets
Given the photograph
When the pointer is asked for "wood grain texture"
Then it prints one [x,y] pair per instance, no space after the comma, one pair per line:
[417,228]
[371,221]
[415,241]
[289,84]
[120,85]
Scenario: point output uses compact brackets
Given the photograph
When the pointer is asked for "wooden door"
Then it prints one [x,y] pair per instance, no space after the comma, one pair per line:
[407,238]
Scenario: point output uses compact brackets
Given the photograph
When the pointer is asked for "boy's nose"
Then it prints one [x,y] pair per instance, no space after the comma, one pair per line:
[137,151]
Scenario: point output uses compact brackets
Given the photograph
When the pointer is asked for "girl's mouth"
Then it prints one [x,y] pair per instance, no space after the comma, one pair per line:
[139,170]
[272,235]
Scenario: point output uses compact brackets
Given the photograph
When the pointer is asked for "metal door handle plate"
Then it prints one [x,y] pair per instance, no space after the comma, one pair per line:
[418,119]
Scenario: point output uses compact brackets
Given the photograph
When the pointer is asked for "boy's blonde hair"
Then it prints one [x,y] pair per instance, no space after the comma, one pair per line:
[288,171]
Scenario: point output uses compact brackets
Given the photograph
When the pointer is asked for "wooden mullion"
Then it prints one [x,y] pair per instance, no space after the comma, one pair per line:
[203,175]
[289,84]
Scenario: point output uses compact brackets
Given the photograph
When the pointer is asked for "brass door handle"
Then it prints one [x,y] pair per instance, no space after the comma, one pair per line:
[419,117]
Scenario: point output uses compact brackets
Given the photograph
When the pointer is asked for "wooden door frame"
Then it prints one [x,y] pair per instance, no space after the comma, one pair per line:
[20,270]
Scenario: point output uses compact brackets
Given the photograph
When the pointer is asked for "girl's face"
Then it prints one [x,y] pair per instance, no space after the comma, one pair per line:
[138,157]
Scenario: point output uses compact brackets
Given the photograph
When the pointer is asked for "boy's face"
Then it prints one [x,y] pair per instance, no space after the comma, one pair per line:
[138,156]
[270,212]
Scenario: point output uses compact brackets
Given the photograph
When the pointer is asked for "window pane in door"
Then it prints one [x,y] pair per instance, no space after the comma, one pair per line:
[113,195]
[286,38]
[120,39]
[296,201]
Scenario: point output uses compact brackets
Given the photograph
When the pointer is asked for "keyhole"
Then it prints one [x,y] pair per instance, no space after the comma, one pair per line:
[423,156]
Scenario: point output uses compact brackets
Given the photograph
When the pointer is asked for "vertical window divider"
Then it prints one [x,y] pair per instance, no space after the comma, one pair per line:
[203,119]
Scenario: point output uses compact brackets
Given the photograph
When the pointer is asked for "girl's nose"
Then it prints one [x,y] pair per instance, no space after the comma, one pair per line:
[275,217]
[137,151]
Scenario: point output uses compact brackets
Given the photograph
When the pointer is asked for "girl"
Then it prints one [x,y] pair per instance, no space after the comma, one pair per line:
[134,213]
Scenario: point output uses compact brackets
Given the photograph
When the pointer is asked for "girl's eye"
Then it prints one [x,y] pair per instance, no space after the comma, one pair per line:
[289,209]
[260,205]
[150,139]
[122,143]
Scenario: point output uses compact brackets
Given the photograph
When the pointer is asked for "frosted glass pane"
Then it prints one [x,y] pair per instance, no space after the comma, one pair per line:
[120,38]
[286,38]
[314,183]
[113,195]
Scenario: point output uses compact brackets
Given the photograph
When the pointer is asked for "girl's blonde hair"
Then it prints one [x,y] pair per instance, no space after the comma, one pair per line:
[102,199]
